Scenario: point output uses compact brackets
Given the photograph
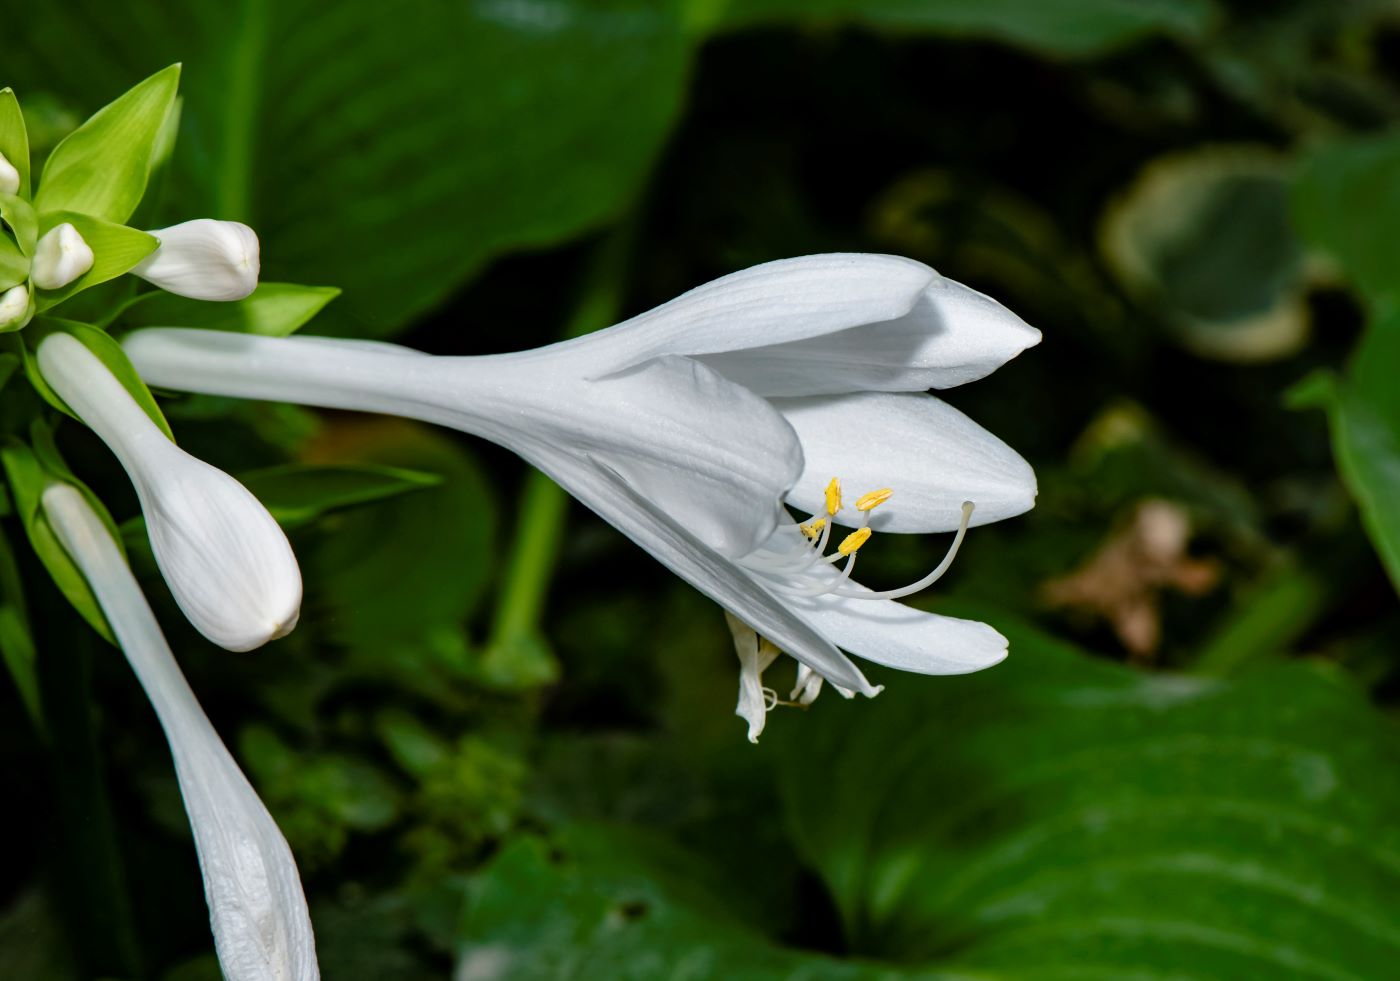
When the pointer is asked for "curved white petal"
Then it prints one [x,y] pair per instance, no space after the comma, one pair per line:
[931,455]
[616,502]
[953,335]
[256,907]
[715,456]
[772,303]
[204,259]
[227,562]
[882,630]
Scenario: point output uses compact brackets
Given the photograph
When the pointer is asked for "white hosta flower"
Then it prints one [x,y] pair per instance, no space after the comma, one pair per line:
[14,304]
[204,259]
[256,907]
[61,256]
[9,176]
[688,426]
[226,560]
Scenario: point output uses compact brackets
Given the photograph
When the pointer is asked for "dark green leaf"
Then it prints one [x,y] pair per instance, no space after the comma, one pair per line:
[1346,202]
[1057,816]
[622,905]
[1057,27]
[297,493]
[101,168]
[275,309]
[455,132]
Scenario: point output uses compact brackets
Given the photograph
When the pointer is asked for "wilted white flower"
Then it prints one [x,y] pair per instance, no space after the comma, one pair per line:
[256,906]
[60,257]
[688,426]
[9,176]
[204,259]
[226,560]
[14,303]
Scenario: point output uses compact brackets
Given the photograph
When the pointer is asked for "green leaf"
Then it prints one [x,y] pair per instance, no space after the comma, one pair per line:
[298,493]
[101,168]
[107,350]
[19,215]
[402,615]
[16,641]
[1061,816]
[457,132]
[1075,28]
[621,904]
[274,309]
[28,478]
[14,264]
[1346,202]
[1364,417]
[14,141]
[115,250]
[1203,239]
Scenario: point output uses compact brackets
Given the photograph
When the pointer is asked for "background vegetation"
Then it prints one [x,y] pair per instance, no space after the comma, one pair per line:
[500,742]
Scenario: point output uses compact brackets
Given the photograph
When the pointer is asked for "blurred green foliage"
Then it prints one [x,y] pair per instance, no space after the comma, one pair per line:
[500,743]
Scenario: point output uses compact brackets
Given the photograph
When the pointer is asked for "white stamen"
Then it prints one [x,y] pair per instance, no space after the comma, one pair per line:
[928,580]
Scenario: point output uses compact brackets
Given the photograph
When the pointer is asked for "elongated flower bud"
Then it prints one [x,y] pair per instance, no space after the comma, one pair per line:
[14,303]
[60,257]
[257,909]
[9,176]
[226,560]
[204,259]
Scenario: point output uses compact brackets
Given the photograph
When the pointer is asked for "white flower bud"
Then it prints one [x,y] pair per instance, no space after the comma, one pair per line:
[14,304]
[226,560]
[257,909]
[204,259]
[9,177]
[60,257]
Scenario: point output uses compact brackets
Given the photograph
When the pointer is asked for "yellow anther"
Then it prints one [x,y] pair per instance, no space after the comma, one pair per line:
[853,541]
[833,496]
[871,501]
[813,529]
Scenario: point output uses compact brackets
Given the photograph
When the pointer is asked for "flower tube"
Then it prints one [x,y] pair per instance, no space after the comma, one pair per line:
[257,910]
[226,560]
[689,426]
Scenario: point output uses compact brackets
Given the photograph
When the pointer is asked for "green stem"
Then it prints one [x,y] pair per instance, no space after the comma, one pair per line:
[544,506]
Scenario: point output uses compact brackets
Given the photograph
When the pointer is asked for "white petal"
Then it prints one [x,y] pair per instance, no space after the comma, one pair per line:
[885,631]
[226,560]
[9,176]
[754,659]
[204,259]
[61,256]
[608,494]
[931,455]
[952,335]
[773,303]
[256,906]
[714,455]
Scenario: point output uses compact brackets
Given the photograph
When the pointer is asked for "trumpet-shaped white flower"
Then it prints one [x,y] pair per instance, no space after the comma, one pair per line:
[14,304]
[204,259]
[61,256]
[687,427]
[226,560]
[9,176]
[256,907]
